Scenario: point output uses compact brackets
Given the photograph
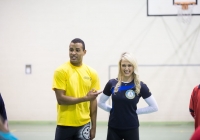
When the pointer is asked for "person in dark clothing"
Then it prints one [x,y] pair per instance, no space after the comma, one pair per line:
[4,131]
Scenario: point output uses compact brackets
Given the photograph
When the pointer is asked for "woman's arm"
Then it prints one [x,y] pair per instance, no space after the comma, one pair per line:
[153,107]
[102,103]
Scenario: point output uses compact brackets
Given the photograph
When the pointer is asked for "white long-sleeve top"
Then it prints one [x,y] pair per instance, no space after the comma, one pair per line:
[151,102]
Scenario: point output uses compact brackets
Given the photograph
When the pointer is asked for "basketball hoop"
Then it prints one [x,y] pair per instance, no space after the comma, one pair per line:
[185,11]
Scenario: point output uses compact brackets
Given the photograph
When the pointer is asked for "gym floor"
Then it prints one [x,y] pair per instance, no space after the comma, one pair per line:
[148,130]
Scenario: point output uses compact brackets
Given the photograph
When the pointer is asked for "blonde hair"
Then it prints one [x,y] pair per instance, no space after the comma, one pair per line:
[133,61]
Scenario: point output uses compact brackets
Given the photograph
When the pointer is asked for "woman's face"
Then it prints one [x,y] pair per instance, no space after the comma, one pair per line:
[127,68]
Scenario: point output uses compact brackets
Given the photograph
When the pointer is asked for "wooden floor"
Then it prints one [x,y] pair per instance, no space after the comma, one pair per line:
[148,131]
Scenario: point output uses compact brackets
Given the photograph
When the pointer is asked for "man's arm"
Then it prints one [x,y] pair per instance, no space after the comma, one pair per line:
[3,115]
[93,116]
[192,102]
[68,100]
[3,128]
[6,124]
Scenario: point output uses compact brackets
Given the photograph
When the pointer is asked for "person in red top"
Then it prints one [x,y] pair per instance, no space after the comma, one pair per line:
[194,106]
[196,134]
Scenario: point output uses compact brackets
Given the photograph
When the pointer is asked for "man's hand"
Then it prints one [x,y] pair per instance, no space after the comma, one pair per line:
[92,94]
[92,133]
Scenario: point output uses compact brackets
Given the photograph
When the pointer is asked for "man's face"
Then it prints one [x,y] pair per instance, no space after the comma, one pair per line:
[76,53]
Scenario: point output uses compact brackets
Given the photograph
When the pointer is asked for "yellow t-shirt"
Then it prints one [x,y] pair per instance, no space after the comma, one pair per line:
[77,82]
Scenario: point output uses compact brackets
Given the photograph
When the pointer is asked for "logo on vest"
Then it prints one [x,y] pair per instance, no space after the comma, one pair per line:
[130,94]
[86,77]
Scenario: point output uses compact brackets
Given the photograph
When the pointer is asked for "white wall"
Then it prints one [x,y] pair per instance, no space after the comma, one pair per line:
[38,32]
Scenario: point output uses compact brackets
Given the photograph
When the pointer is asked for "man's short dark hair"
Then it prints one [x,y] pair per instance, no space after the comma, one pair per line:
[78,40]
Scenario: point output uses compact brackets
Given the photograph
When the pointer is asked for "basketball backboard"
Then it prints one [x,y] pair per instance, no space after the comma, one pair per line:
[168,7]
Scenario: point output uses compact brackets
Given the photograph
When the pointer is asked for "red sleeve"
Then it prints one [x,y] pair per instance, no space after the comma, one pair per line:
[196,134]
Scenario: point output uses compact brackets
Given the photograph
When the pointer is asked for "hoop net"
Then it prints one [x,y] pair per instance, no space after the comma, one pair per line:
[185,11]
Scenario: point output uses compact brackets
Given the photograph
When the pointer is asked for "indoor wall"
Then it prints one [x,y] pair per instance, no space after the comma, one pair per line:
[38,33]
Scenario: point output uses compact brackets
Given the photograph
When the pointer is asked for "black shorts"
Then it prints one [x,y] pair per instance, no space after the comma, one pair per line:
[118,134]
[73,133]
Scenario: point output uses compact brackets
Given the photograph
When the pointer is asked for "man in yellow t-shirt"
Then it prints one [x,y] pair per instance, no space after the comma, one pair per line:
[75,85]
